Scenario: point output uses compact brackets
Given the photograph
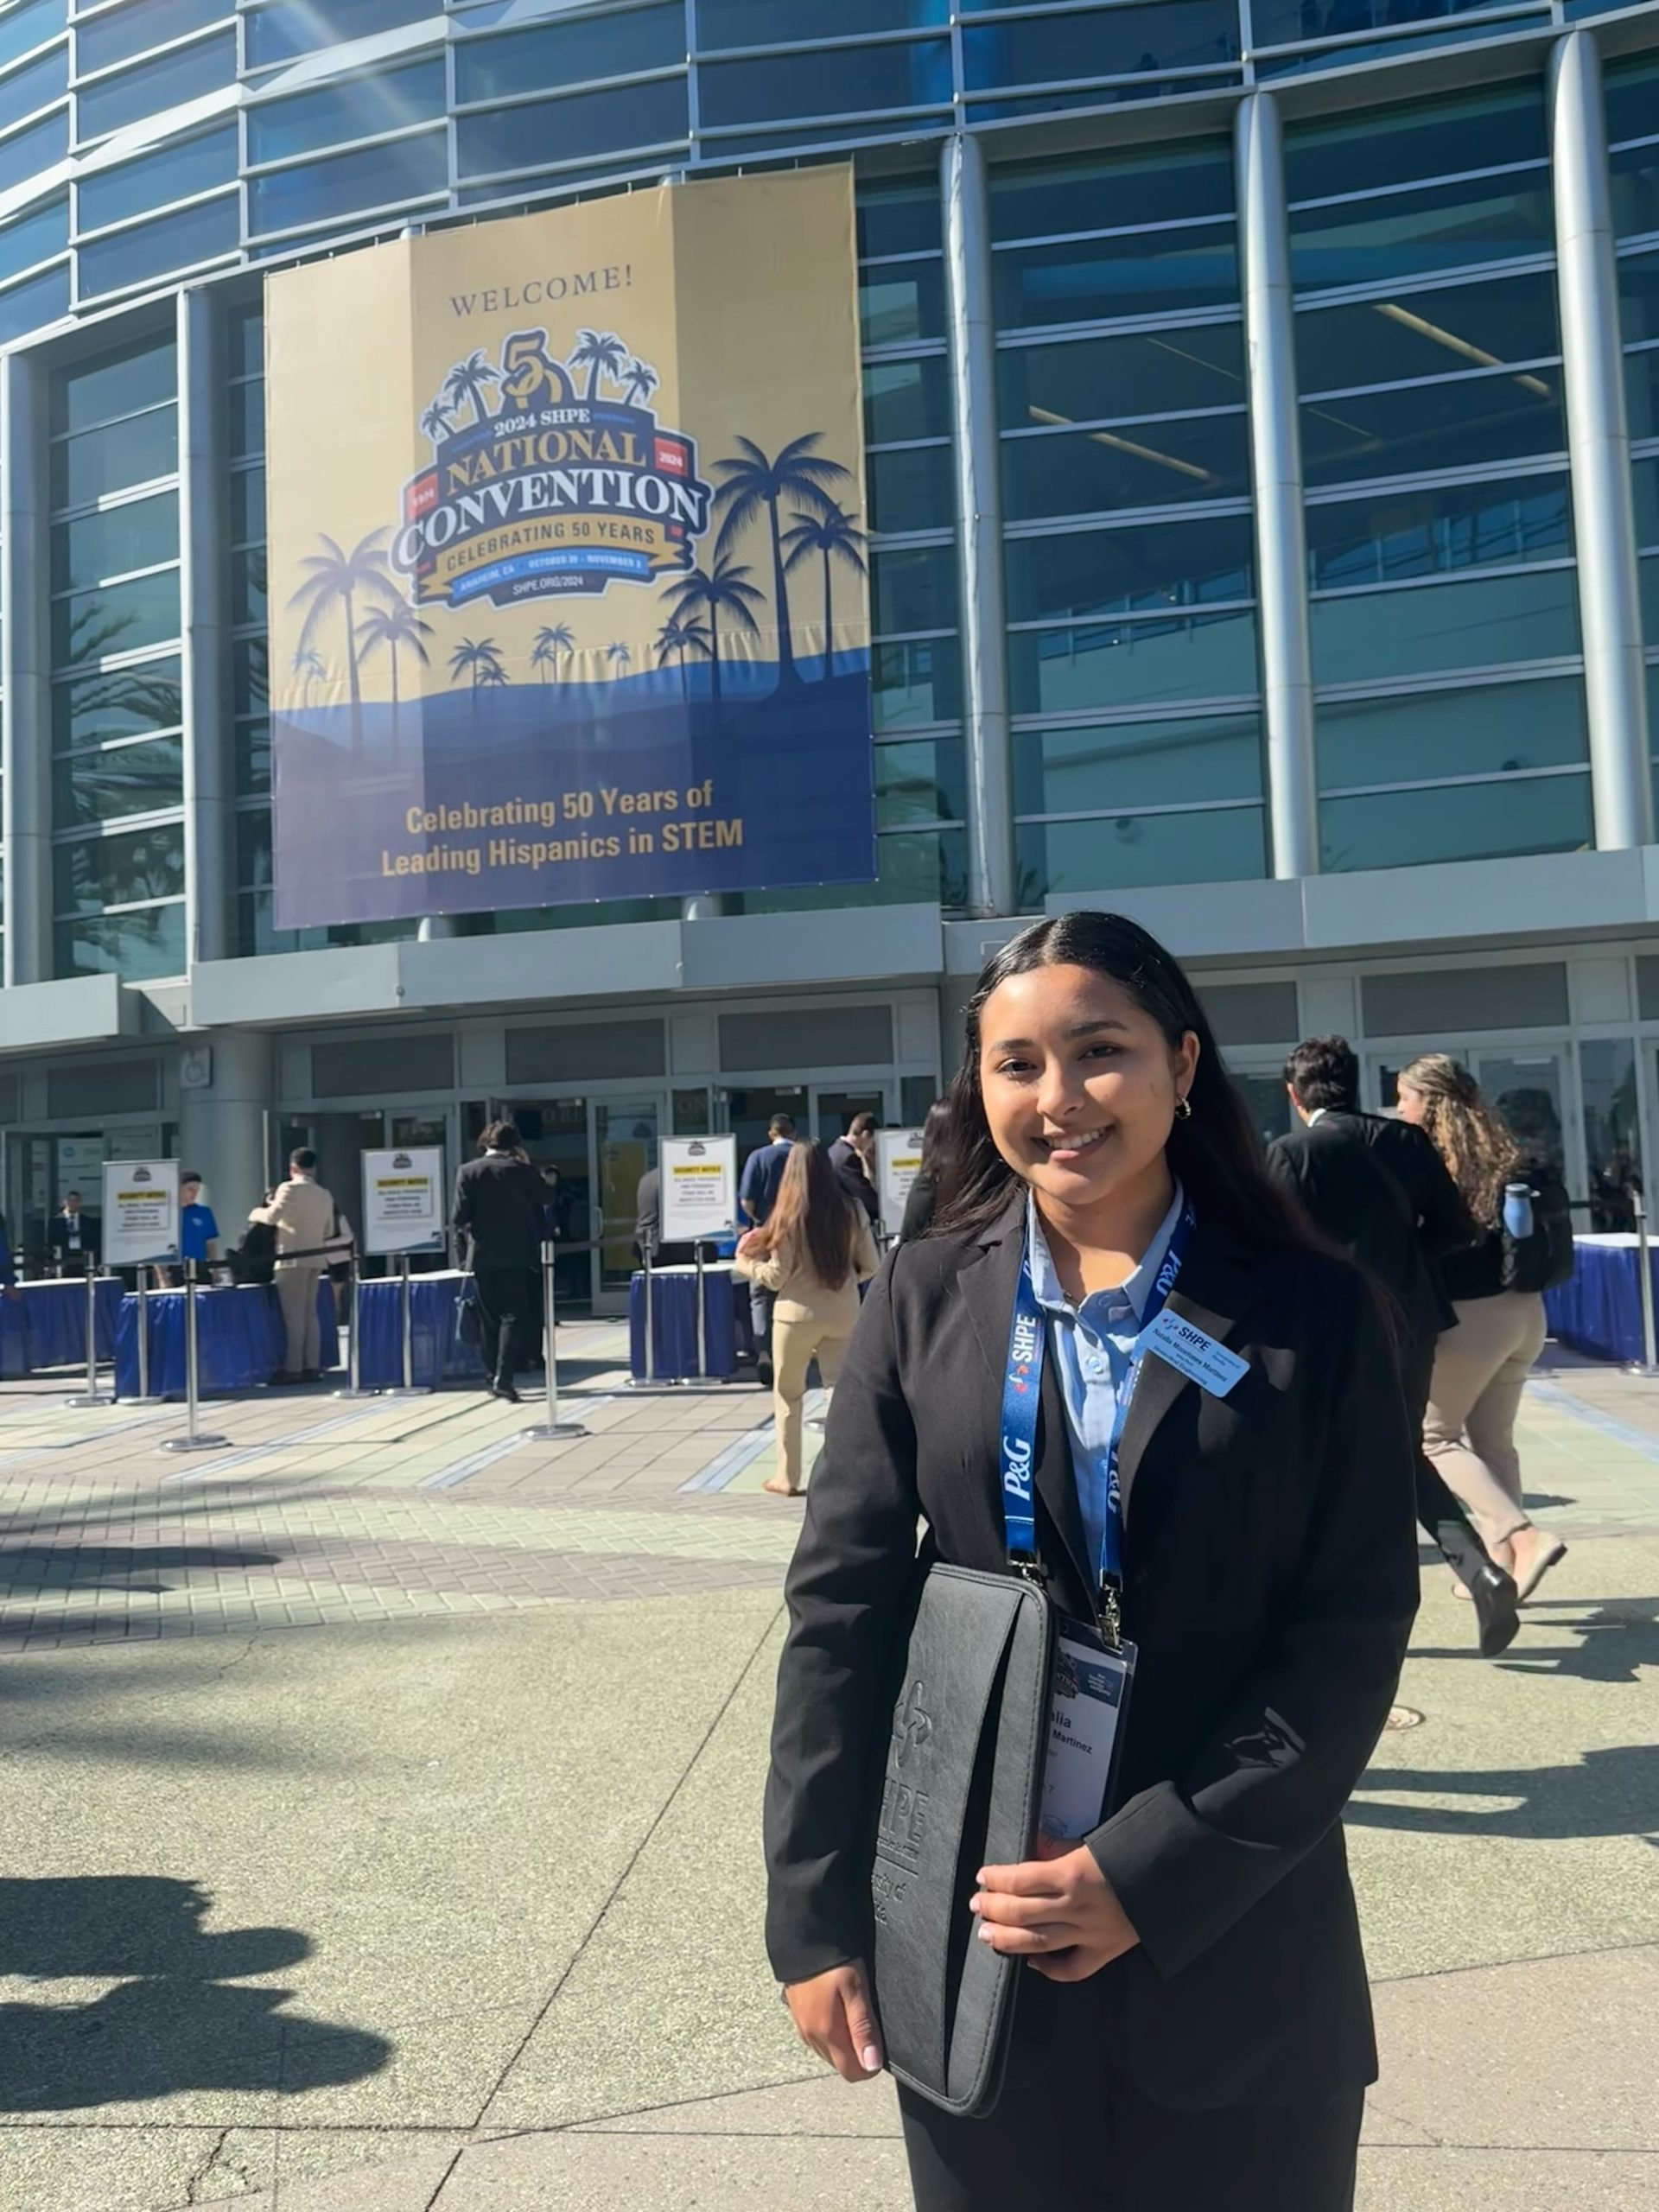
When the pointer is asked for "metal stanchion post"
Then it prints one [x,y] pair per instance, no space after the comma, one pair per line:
[143,1319]
[354,1356]
[552,1429]
[650,1328]
[408,1387]
[703,1319]
[193,1440]
[91,1395]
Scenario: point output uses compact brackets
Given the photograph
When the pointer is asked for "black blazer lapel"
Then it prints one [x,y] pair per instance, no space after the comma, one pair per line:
[1214,1290]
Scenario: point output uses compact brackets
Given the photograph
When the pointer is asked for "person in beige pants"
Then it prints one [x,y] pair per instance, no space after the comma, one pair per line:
[302,1214]
[813,1250]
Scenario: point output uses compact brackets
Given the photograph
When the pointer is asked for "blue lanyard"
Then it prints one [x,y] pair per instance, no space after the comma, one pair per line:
[1021,1395]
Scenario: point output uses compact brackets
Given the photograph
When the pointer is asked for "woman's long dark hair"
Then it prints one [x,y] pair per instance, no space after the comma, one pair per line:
[936,1140]
[1216,1151]
[812,1214]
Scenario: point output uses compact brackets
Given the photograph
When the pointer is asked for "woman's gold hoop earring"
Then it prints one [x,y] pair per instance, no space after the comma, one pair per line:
[1183,1109]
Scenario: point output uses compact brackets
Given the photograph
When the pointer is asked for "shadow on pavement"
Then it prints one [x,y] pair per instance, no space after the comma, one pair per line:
[50,1569]
[177,2019]
[1619,1637]
[1610,1793]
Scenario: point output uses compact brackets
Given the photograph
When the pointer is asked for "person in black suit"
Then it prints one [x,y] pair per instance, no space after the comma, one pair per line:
[500,1204]
[71,1237]
[1379,1189]
[851,1157]
[1198,2027]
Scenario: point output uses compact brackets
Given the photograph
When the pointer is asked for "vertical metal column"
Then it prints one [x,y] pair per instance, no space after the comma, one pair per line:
[1599,444]
[26,717]
[1276,467]
[204,586]
[992,884]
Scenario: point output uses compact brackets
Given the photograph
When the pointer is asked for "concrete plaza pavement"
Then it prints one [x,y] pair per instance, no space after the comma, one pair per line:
[382,1800]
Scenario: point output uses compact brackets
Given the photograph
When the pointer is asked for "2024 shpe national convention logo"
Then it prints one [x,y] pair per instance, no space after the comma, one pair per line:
[537,490]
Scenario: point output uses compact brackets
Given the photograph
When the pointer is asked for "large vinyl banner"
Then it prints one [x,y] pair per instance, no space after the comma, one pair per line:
[569,591]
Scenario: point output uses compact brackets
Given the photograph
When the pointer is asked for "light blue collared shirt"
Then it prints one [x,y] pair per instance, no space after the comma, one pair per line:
[1090,1346]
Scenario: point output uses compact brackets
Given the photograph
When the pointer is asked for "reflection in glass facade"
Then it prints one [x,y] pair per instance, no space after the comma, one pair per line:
[144,142]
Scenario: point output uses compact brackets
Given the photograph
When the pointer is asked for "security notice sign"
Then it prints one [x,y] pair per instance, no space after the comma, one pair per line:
[699,1188]
[898,1163]
[403,1198]
[141,1211]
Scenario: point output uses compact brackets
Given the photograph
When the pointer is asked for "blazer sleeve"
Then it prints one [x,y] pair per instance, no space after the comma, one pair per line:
[1189,1856]
[845,1593]
[768,1273]
[1443,1222]
[460,1214]
[866,1258]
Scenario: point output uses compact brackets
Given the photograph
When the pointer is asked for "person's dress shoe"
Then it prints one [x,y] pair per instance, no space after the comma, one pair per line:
[1495,1599]
[763,1373]
[1543,1555]
[505,1391]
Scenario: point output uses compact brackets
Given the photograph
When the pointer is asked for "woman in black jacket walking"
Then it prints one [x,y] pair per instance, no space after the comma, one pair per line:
[1196,2025]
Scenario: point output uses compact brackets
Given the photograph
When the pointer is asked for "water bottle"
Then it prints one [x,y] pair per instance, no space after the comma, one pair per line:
[1517,1212]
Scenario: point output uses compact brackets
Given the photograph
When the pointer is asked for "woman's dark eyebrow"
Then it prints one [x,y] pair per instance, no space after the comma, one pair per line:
[1079,1029]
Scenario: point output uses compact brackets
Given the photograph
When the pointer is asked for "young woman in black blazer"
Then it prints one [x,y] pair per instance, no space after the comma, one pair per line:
[1197,2027]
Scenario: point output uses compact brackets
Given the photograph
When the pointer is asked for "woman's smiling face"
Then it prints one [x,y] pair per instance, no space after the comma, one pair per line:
[1080,1083]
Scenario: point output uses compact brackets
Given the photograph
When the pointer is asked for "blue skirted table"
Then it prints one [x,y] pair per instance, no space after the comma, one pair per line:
[674,1324]
[46,1325]
[239,1339]
[441,1353]
[1597,1310]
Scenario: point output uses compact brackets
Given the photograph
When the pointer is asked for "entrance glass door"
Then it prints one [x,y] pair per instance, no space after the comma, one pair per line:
[43,1171]
[625,1131]
[556,1136]
[1527,1089]
[833,1109]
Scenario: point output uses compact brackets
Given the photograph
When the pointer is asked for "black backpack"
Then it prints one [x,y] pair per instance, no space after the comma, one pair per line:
[254,1260]
[1545,1256]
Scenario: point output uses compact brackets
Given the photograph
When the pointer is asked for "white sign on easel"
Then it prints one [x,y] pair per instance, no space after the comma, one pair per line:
[141,1211]
[699,1179]
[403,1199]
[898,1163]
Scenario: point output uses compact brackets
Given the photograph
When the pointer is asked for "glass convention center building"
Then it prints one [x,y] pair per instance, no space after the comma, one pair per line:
[1262,403]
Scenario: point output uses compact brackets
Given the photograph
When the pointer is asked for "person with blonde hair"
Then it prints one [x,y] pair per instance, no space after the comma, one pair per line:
[813,1250]
[1481,1366]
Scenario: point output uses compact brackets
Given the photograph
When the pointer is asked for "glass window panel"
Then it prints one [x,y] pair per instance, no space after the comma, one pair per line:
[1439,530]
[1480,623]
[901,301]
[839,80]
[151,87]
[908,399]
[23,29]
[117,703]
[98,872]
[1363,150]
[252,757]
[1486,25]
[916,867]
[900,217]
[1648,585]
[1156,371]
[1644,476]
[141,26]
[922,782]
[917,682]
[34,150]
[723,23]
[34,237]
[568,129]
[1461,423]
[119,618]
[408,169]
[1642,393]
[178,241]
[1421,233]
[361,107]
[1053,198]
[138,947]
[1639,295]
[1613,1130]
[1117,42]
[248,585]
[1496,821]
[1137,764]
[1118,93]
[912,489]
[37,85]
[176,172]
[247,506]
[1191,656]
[247,412]
[1285,22]
[1132,465]
[30,306]
[914,589]
[1122,852]
[115,385]
[85,467]
[245,338]
[1426,334]
[1631,92]
[570,53]
[1147,567]
[1100,279]
[1634,174]
[253,846]
[114,541]
[296,27]
[250,683]
[90,788]
[1489,729]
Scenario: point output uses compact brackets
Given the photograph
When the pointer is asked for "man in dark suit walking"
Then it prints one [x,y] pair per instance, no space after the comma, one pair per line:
[500,1203]
[853,1159]
[1379,1188]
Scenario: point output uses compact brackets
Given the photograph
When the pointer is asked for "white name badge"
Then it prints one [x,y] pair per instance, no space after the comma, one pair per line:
[1195,1355]
[1085,1704]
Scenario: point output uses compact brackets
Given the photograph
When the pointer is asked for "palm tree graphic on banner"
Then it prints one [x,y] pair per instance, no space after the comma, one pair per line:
[723,589]
[831,535]
[752,485]
[639,381]
[470,383]
[395,628]
[340,580]
[481,659]
[681,635]
[599,350]
[618,654]
[554,640]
